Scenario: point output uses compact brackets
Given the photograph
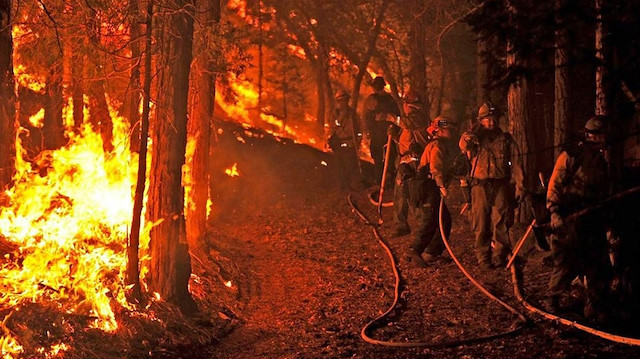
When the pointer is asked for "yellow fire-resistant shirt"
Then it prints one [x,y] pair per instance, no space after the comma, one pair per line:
[438,157]
[494,155]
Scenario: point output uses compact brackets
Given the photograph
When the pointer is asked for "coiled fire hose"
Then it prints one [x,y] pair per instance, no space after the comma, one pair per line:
[364,333]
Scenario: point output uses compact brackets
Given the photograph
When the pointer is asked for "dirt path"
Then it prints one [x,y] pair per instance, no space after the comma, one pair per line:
[312,274]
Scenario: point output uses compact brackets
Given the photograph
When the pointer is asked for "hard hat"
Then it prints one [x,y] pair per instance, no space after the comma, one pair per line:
[341,95]
[486,110]
[596,125]
[378,82]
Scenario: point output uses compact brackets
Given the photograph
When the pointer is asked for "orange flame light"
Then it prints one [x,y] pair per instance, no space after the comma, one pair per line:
[69,219]
[233,171]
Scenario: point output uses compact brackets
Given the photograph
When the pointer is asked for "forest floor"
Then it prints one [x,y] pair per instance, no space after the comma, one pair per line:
[290,271]
[306,274]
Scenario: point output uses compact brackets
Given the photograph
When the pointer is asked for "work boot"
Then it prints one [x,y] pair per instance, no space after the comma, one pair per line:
[415,258]
[430,258]
[500,262]
[400,231]
[486,264]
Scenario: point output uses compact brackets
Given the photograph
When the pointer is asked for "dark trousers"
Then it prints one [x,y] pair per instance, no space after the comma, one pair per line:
[400,203]
[347,165]
[379,138]
[581,248]
[490,203]
[428,237]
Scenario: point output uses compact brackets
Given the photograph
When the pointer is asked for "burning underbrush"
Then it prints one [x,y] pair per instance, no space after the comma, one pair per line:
[63,236]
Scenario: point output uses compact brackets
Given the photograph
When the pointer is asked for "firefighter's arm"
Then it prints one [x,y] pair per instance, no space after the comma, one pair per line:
[468,141]
[517,170]
[558,176]
[436,165]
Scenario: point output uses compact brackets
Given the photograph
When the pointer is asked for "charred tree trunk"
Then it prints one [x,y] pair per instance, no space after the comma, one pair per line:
[133,271]
[98,108]
[602,103]
[371,47]
[99,114]
[320,87]
[133,95]
[52,127]
[7,98]
[517,111]
[260,54]
[562,83]
[170,265]
[326,80]
[199,127]
[77,90]
[417,53]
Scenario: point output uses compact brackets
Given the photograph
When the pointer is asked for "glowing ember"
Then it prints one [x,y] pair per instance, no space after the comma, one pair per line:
[228,284]
[323,163]
[233,171]
[37,120]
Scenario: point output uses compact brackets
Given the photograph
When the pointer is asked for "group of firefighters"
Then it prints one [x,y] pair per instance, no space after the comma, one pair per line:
[428,155]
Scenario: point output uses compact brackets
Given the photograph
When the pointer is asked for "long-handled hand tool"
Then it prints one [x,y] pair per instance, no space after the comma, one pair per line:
[520,243]
[387,156]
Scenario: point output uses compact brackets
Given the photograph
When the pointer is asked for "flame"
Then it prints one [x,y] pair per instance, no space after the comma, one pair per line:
[21,34]
[228,284]
[244,110]
[68,213]
[37,120]
[233,171]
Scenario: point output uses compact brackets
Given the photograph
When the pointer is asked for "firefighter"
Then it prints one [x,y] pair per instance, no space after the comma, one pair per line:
[495,163]
[434,173]
[580,179]
[345,139]
[380,109]
[412,135]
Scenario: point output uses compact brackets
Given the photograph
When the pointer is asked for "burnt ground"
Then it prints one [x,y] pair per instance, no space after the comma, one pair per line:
[290,271]
[307,274]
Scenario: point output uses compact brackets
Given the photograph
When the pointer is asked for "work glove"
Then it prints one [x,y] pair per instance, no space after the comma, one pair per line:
[393,130]
[443,191]
[556,221]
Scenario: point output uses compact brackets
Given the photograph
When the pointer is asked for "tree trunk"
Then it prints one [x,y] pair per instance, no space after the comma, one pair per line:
[561,107]
[417,53]
[260,53]
[8,125]
[170,266]
[481,72]
[320,111]
[133,95]
[602,105]
[77,90]
[99,114]
[133,271]
[52,127]
[517,113]
[199,127]
[371,47]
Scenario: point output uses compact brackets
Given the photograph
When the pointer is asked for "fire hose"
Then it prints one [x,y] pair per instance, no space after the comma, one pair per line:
[364,333]
[516,287]
[518,292]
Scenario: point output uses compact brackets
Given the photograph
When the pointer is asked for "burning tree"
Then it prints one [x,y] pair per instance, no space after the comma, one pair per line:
[170,266]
